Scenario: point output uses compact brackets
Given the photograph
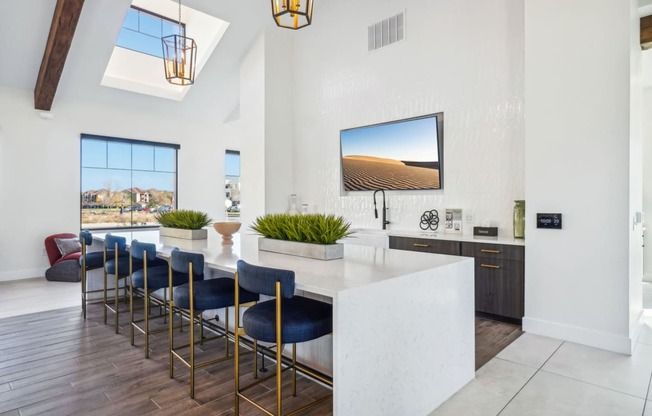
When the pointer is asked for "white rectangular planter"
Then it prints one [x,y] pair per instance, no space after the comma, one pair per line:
[185,234]
[294,248]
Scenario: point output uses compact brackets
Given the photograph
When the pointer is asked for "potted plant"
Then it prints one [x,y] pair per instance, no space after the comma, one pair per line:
[184,223]
[310,235]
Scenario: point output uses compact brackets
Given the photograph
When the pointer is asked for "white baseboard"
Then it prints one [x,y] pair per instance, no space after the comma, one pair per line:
[22,274]
[579,335]
[647,277]
[636,329]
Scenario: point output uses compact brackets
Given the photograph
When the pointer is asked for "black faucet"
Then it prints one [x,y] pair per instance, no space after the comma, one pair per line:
[385,222]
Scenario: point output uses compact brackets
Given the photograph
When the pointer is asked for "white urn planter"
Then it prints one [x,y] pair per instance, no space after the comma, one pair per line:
[201,234]
[294,248]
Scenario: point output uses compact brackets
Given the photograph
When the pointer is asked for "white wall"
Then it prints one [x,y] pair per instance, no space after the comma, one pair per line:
[577,141]
[647,175]
[40,174]
[265,125]
[463,57]
[279,119]
[252,130]
[635,174]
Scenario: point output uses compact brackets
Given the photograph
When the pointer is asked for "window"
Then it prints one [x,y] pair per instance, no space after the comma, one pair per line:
[125,182]
[232,176]
[142,31]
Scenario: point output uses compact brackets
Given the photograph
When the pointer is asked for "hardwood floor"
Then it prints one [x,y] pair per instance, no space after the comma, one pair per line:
[491,337]
[56,363]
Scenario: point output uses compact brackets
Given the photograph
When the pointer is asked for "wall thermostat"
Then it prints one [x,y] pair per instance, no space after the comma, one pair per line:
[552,221]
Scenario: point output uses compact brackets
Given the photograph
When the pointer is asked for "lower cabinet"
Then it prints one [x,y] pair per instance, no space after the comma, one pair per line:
[499,272]
[427,245]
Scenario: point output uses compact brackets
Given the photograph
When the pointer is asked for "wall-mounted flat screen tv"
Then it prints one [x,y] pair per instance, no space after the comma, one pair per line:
[397,155]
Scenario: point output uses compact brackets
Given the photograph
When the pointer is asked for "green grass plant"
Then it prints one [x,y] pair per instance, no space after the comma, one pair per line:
[309,228]
[184,218]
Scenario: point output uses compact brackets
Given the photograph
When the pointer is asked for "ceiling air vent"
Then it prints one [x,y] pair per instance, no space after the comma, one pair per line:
[387,32]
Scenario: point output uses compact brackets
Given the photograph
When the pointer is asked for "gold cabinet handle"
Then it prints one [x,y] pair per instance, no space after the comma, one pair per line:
[420,245]
[490,266]
[484,250]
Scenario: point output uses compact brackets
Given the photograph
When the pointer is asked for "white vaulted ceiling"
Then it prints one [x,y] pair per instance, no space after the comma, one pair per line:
[24,28]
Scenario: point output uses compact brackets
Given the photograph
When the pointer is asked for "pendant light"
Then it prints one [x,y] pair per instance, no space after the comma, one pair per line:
[292,14]
[179,56]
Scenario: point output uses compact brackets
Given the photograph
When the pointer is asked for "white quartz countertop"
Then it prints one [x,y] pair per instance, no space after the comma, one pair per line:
[361,265]
[440,235]
[364,234]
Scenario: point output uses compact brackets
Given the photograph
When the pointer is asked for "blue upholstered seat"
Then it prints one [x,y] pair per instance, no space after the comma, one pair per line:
[207,294]
[94,260]
[211,294]
[88,261]
[123,265]
[157,271]
[158,278]
[302,319]
[116,246]
[110,242]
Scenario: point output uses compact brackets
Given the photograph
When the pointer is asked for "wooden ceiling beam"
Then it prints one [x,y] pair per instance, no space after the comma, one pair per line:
[64,22]
[646,32]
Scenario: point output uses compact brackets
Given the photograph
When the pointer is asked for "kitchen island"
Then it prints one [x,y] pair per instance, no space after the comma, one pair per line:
[403,322]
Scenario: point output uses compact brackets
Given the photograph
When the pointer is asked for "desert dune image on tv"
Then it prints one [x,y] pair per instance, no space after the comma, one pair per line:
[401,155]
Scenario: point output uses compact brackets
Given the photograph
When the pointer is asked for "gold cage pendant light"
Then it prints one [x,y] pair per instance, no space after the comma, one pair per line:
[179,57]
[292,14]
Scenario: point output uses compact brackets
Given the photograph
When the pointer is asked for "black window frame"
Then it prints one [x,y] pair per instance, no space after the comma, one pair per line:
[111,139]
[141,10]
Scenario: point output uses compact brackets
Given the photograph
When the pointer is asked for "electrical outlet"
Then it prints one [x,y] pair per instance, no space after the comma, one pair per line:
[468,218]
[43,251]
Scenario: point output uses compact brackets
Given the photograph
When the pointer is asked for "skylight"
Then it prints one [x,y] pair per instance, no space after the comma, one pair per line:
[142,31]
[136,62]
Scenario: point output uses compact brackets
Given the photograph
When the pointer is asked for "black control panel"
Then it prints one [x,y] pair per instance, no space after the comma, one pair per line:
[552,221]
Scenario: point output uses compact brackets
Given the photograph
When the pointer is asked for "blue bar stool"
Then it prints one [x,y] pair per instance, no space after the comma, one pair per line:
[286,319]
[196,296]
[116,262]
[153,276]
[88,261]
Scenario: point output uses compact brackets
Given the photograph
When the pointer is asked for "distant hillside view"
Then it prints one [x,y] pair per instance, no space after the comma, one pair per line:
[369,172]
[130,207]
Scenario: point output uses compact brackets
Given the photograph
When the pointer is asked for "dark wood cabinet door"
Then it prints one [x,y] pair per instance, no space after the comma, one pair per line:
[499,271]
[426,245]
[493,251]
[499,287]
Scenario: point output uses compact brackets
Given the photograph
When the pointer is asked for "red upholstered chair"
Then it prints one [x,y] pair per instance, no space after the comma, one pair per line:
[63,268]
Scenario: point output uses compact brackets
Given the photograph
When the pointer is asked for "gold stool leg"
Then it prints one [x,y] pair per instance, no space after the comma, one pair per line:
[146,311]
[236,353]
[82,272]
[192,330]
[294,369]
[131,314]
[170,322]
[105,299]
[165,299]
[279,351]
[279,378]
[226,330]
[116,299]
[201,328]
[255,358]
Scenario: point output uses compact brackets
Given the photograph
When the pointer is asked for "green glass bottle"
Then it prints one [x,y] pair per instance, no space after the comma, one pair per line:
[519,218]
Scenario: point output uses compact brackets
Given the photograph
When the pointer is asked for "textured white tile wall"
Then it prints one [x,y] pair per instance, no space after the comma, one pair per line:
[464,58]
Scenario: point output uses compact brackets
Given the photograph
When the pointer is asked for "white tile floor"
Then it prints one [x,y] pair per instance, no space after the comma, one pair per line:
[542,376]
[647,296]
[20,297]
[535,375]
